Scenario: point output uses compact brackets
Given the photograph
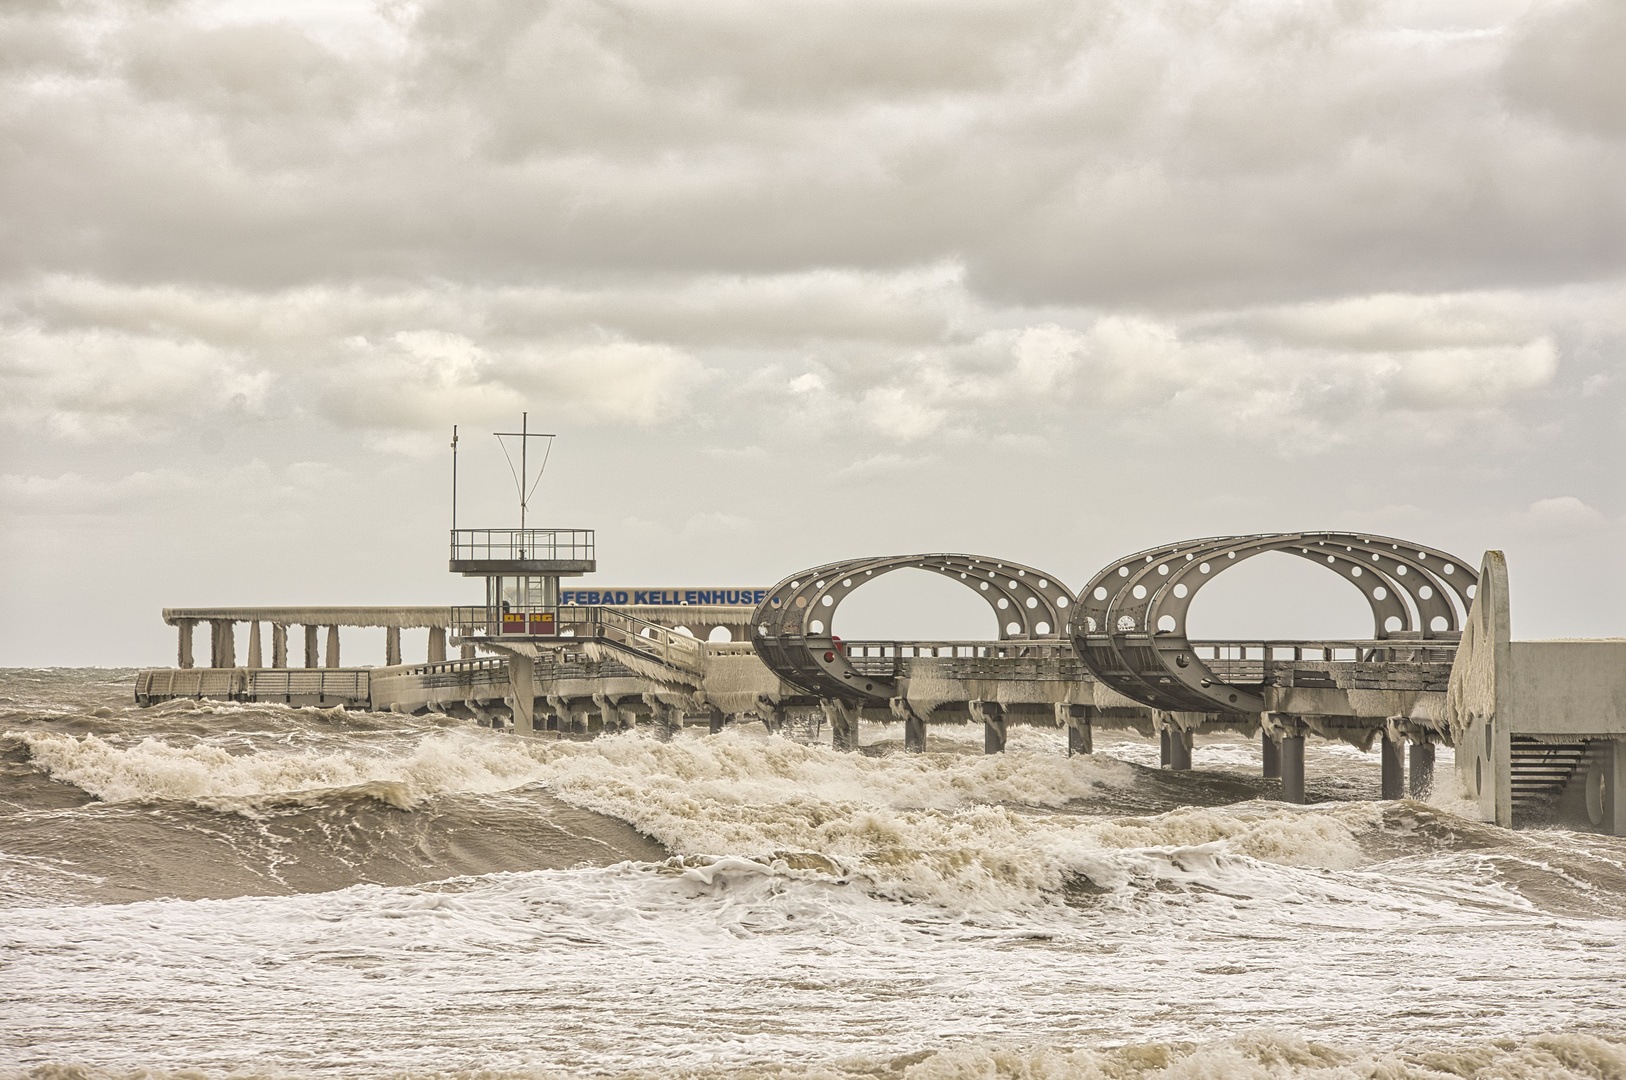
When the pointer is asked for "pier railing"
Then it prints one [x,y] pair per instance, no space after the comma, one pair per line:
[569,623]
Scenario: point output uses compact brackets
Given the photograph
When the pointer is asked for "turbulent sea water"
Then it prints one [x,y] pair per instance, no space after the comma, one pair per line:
[207,890]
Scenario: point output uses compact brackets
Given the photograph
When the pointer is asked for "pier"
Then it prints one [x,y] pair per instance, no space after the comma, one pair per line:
[1538,728]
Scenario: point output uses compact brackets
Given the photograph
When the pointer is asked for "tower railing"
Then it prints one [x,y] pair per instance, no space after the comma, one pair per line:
[522,545]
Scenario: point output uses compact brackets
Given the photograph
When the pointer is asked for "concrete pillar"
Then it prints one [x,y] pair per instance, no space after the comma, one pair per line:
[183,643]
[1165,755]
[333,646]
[311,658]
[437,644]
[843,723]
[254,645]
[522,693]
[1422,768]
[1394,772]
[279,645]
[776,718]
[660,714]
[992,715]
[1080,736]
[392,646]
[1611,782]
[1180,742]
[1293,769]
[1272,755]
[222,643]
[717,719]
[914,726]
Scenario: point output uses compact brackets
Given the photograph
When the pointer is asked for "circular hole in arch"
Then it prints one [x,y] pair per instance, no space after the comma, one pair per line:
[1123,571]
[962,577]
[1332,558]
[1230,554]
[1204,568]
[1089,624]
[684,630]
[1380,593]
[796,584]
[1180,590]
[720,633]
[983,586]
[1140,592]
[818,584]
[1163,568]
[1148,558]
[1449,568]
[1042,627]
[1401,570]
[1021,573]
[1425,592]
[1439,622]
[828,601]
[1033,602]
[1061,601]
[1472,591]
[801,601]
[1166,624]
[762,630]
[1012,584]
[775,601]
[1393,623]
[1100,592]
[1013,628]
[1190,557]
[1354,571]
[867,573]
[847,584]
[993,573]
[1375,556]
[1126,622]
[1043,584]
[816,626]
[1422,556]
[1003,603]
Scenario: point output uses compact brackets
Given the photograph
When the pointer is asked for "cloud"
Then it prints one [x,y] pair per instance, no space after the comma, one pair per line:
[1564,62]
[1563,512]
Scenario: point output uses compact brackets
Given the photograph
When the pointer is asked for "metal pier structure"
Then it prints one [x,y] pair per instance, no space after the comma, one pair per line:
[1538,728]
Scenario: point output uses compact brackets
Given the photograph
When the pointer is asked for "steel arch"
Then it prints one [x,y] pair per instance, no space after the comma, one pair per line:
[791,628]
[1129,625]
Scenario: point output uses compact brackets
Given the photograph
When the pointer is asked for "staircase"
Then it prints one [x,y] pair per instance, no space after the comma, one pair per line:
[649,648]
[1541,769]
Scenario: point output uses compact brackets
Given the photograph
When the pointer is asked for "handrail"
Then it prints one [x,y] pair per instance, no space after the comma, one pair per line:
[659,643]
[522,545]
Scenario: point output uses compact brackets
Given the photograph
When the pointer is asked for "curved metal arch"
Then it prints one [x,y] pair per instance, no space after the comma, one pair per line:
[791,628]
[1130,623]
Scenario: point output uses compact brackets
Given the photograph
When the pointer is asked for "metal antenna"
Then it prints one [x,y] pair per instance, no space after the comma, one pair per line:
[454,477]
[524,434]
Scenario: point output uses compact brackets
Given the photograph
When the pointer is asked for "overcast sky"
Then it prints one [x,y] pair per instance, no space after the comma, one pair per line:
[802,279]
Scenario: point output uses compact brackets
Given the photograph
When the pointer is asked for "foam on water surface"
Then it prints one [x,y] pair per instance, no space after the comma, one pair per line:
[946,915]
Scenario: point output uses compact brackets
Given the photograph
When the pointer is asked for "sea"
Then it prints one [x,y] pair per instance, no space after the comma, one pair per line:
[205,890]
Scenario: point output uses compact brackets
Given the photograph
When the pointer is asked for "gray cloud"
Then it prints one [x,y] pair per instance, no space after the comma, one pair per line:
[1137,269]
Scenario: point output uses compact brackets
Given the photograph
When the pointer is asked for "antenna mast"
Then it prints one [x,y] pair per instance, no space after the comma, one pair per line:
[525,435]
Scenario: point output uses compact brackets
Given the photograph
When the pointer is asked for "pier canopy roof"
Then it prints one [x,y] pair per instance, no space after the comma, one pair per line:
[522,552]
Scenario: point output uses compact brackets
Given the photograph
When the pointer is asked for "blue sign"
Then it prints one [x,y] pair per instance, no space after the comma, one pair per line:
[653,597]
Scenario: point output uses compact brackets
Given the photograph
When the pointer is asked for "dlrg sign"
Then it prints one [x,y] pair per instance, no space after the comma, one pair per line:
[658,597]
